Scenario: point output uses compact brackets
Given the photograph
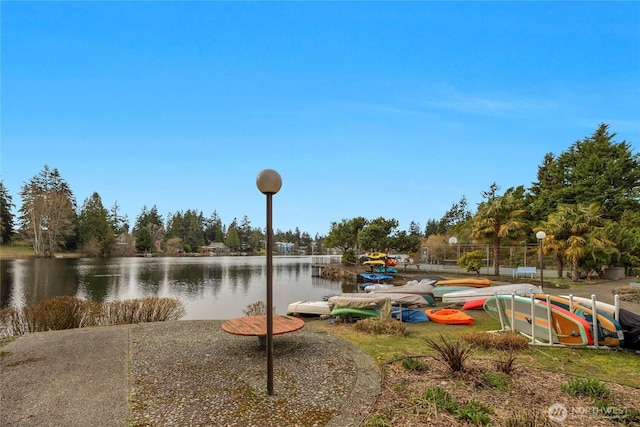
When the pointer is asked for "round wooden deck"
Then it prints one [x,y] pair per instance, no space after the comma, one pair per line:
[257,325]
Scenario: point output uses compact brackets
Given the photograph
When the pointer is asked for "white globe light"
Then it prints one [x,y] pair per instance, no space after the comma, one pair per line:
[541,235]
[269,181]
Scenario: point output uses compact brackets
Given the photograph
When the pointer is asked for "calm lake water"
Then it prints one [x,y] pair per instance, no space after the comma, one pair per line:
[209,287]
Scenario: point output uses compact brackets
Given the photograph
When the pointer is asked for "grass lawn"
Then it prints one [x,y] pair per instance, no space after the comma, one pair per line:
[619,366]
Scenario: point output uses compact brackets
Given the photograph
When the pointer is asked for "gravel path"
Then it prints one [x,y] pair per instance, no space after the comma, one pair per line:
[183,373]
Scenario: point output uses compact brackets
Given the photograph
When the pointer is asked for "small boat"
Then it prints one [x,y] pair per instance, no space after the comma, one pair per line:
[413,287]
[449,316]
[439,291]
[391,263]
[309,308]
[375,255]
[516,312]
[406,300]
[349,313]
[372,287]
[609,330]
[376,276]
[410,315]
[476,304]
[375,262]
[386,270]
[476,293]
[631,327]
[381,303]
[474,283]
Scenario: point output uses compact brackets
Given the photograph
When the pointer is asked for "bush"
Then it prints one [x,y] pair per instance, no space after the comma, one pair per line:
[59,313]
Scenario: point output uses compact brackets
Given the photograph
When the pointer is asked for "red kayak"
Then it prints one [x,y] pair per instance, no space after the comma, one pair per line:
[449,316]
[476,304]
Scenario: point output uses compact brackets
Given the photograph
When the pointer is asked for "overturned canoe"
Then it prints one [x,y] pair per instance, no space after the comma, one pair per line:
[474,283]
[309,308]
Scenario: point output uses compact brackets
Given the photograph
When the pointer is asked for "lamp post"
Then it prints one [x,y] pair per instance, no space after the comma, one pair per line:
[269,183]
[540,235]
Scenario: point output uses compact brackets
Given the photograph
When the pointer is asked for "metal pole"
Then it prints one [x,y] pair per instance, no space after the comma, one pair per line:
[541,267]
[269,296]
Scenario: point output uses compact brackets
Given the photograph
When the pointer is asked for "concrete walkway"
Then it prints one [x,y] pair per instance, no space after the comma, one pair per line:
[183,373]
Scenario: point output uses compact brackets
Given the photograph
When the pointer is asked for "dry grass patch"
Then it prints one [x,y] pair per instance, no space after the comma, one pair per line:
[381,326]
[500,341]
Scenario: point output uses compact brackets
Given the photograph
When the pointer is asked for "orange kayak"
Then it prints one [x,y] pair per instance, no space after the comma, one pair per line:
[449,316]
[475,283]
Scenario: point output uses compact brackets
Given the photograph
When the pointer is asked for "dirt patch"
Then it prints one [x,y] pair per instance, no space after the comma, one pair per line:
[524,397]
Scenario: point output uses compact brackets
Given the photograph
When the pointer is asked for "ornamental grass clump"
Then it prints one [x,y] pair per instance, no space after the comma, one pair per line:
[68,312]
[141,310]
[508,341]
[452,353]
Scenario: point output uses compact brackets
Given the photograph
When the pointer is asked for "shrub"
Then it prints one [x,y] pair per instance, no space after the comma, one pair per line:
[141,310]
[64,312]
[381,326]
[68,312]
[256,309]
[451,353]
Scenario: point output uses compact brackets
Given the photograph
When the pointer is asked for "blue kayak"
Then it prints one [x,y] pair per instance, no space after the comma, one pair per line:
[409,315]
[376,276]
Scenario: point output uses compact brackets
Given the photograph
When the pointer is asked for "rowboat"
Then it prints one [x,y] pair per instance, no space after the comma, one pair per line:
[609,331]
[406,300]
[309,308]
[372,287]
[477,293]
[449,316]
[534,319]
[474,283]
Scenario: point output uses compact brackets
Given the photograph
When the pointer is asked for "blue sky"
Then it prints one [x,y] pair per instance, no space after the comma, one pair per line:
[392,109]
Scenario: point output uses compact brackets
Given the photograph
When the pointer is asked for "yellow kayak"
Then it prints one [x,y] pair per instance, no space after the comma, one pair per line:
[375,255]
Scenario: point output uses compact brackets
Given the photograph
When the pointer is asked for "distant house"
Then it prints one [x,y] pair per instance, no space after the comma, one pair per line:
[214,248]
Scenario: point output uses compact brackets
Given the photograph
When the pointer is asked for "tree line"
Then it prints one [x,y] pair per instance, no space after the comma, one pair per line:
[50,220]
[586,200]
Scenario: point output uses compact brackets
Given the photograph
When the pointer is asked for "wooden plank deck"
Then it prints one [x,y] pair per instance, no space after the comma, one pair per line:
[257,325]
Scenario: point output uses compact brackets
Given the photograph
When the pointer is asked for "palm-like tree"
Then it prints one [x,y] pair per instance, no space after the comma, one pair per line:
[572,231]
[498,218]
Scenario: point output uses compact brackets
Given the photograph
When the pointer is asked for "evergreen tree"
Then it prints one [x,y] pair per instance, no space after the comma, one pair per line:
[95,231]
[6,216]
[596,169]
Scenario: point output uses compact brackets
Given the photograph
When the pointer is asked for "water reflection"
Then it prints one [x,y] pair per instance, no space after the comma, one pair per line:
[210,287]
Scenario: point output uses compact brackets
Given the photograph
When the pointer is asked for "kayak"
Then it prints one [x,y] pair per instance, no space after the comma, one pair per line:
[474,283]
[449,316]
